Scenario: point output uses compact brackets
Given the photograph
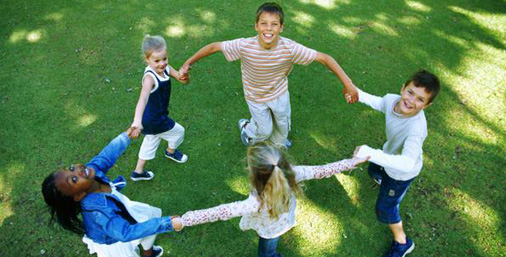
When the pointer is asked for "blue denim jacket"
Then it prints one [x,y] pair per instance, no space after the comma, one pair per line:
[105,219]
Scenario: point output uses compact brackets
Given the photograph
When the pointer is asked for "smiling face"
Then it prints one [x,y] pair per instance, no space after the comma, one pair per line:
[413,100]
[157,60]
[76,182]
[269,27]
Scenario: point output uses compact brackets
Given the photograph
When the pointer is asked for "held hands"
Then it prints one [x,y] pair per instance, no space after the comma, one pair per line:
[184,74]
[359,160]
[185,69]
[350,93]
[183,78]
[133,132]
[177,223]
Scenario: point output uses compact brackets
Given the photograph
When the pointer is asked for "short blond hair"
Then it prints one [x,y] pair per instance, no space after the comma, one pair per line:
[152,44]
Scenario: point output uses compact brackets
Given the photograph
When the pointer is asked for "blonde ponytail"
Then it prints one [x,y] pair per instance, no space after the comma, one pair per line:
[277,193]
[272,177]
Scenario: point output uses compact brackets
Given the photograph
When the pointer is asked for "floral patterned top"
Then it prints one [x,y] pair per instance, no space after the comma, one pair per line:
[260,221]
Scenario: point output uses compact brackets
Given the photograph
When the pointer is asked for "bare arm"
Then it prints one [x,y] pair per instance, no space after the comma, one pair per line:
[147,85]
[203,52]
[349,90]
[177,75]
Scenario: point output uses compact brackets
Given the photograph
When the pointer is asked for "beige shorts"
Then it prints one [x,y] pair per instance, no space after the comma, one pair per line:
[174,138]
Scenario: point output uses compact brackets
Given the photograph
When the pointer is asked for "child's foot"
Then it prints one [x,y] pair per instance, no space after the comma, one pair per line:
[400,250]
[156,252]
[177,156]
[242,125]
[145,175]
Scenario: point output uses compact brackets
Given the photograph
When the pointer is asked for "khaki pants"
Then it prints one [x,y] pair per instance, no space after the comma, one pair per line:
[270,120]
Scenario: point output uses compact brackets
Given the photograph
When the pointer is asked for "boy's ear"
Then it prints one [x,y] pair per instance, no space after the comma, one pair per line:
[78,197]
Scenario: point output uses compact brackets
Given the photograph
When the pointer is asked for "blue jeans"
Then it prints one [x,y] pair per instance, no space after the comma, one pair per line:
[390,194]
[267,247]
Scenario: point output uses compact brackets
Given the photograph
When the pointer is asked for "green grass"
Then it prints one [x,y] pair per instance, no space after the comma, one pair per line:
[67,67]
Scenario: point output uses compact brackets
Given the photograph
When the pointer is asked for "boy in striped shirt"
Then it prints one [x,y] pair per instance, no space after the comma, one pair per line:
[266,61]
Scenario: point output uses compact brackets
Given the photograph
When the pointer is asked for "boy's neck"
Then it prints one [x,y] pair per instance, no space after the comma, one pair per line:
[267,46]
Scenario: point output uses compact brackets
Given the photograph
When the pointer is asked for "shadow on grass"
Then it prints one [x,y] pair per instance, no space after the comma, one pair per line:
[57,102]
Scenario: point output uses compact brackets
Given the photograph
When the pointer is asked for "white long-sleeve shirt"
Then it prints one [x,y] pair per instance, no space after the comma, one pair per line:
[261,222]
[402,154]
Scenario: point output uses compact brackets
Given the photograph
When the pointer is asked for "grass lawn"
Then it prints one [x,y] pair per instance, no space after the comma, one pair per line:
[71,74]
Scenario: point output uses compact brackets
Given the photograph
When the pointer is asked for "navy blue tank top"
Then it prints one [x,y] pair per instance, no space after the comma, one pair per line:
[156,119]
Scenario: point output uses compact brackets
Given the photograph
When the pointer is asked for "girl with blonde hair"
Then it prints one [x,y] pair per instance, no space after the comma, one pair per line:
[270,207]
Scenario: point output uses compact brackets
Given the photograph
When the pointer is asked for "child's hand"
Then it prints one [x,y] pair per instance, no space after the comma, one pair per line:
[177,223]
[183,78]
[350,93]
[185,69]
[133,132]
[359,160]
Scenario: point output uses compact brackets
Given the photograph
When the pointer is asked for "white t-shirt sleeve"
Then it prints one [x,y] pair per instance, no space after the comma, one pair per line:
[403,162]
[373,101]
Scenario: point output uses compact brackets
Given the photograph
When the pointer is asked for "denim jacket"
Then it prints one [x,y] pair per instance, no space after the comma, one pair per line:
[105,218]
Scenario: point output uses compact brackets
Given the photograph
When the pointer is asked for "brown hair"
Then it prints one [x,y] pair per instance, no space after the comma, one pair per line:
[271,8]
[426,80]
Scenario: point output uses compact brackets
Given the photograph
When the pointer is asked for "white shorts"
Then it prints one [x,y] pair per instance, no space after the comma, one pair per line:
[174,137]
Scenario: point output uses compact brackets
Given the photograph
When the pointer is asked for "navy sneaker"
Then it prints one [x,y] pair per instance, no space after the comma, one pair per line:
[156,252]
[177,156]
[244,137]
[145,175]
[400,250]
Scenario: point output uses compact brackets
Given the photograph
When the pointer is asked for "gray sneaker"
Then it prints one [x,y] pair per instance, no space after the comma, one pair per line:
[242,124]
[244,137]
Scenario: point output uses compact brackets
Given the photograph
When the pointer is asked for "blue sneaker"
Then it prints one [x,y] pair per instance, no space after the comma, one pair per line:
[400,250]
[145,175]
[244,137]
[288,143]
[156,252]
[177,156]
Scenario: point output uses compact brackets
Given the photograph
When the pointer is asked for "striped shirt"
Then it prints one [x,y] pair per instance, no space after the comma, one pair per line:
[265,72]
